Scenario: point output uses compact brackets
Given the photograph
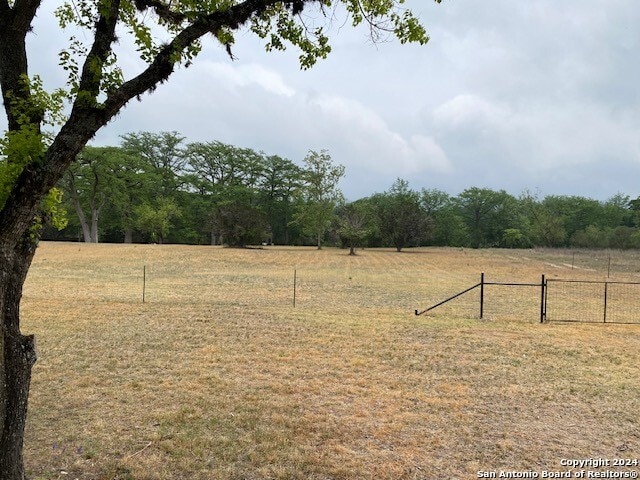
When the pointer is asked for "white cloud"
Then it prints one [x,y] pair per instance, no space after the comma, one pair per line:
[471,111]
[373,144]
[573,132]
[247,75]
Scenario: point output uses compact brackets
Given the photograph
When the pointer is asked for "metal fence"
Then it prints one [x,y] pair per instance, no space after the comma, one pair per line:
[556,300]
[592,301]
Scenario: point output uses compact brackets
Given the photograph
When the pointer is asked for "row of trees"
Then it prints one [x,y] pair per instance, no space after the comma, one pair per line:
[155,187]
[481,217]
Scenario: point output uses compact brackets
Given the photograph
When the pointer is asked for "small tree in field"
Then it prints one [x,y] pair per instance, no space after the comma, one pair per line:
[166,34]
[355,224]
[402,220]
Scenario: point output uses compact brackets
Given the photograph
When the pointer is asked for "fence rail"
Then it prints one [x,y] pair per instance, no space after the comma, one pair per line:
[585,301]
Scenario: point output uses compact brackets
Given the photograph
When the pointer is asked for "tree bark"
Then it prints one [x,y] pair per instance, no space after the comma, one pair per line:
[95,214]
[86,232]
[18,357]
[75,201]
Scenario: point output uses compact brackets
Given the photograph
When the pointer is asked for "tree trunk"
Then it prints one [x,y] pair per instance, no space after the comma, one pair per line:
[17,359]
[95,214]
[86,231]
[128,235]
[75,200]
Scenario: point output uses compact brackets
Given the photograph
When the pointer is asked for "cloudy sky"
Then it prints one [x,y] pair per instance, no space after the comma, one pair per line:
[541,95]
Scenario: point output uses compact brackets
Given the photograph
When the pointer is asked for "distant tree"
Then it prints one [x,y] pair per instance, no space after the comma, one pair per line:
[451,229]
[433,200]
[616,212]
[216,164]
[155,220]
[238,219]
[132,183]
[280,180]
[576,212]
[164,155]
[546,227]
[402,220]
[487,214]
[87,186]
[355,224]
[590,237]
[446,221]
[223,175]
[634,208]
[624,238]
[514,238]
[319,194]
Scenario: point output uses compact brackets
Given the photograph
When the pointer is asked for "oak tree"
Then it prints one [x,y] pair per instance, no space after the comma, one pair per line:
[88,184]
[402,220]
[355,224]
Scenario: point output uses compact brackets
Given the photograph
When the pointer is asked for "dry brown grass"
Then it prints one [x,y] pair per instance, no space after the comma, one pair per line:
[217,376]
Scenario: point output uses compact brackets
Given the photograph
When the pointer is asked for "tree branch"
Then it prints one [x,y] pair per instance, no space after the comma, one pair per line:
[24,11]
[5,9]
[162,10]
[163,64]
[14,25]
[92,70]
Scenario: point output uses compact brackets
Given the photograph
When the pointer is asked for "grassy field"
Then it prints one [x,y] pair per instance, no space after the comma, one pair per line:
[218,376]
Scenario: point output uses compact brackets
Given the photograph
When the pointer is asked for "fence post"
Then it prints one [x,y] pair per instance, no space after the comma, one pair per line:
[606,284]
[481,295]
[295,275]
[543,312]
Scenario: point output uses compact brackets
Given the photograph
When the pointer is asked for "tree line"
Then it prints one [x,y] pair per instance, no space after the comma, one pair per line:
[155,187]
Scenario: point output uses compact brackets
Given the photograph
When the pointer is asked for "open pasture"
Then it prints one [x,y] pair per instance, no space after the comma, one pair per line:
[218,376]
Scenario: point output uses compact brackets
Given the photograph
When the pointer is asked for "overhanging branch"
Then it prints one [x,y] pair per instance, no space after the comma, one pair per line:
[163,64]
[5,9]
[162,10]
[92,70]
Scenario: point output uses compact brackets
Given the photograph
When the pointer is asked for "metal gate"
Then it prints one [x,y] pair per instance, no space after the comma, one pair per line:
[592,301]
[586,301]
